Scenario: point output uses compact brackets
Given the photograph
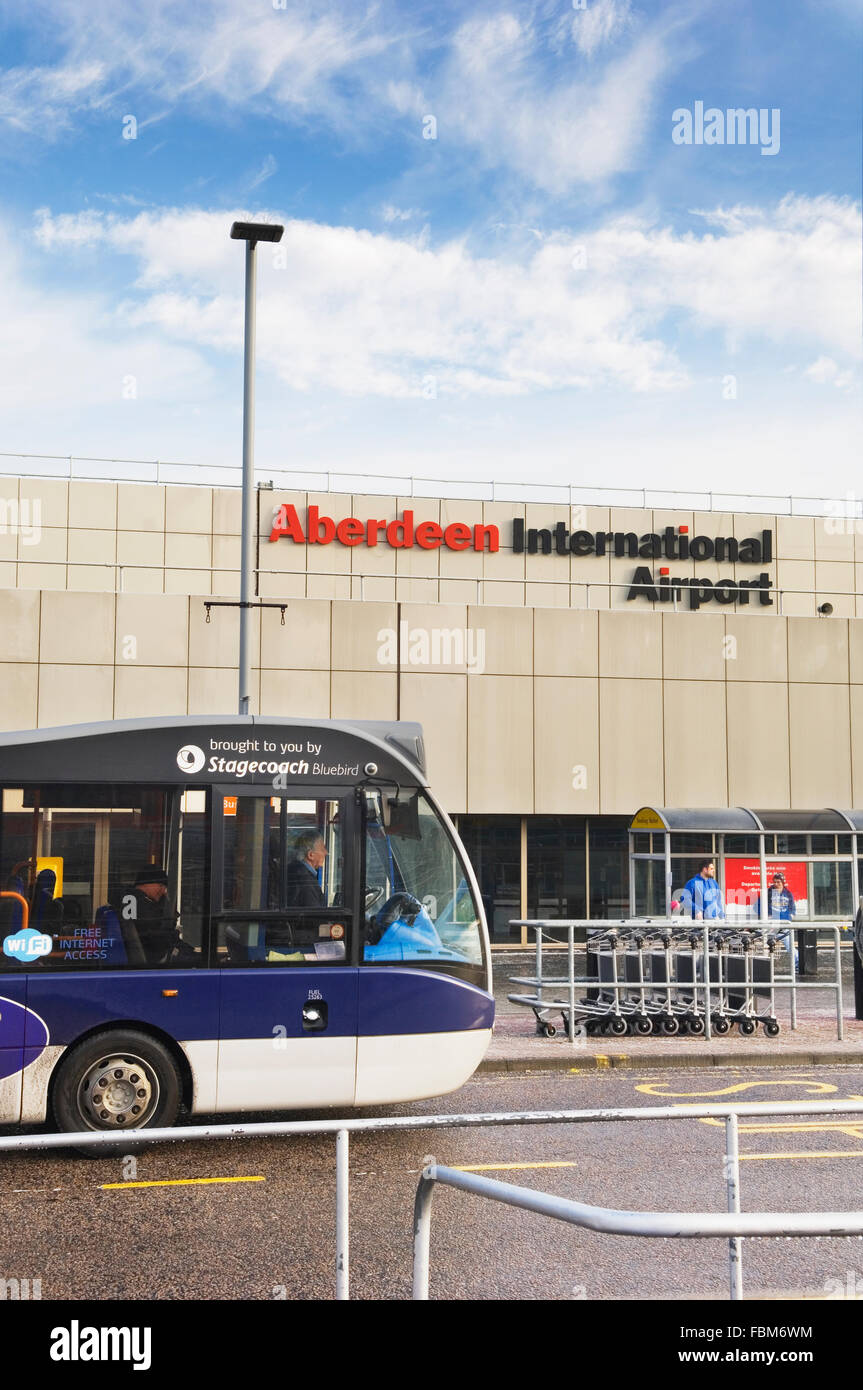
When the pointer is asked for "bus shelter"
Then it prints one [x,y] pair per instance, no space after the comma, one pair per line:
[815,851]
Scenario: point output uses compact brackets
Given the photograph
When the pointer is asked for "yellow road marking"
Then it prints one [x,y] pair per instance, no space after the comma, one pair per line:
[657,1088]
[176,1182]
[854,1129]
[507,1167]
[601,1060]
[810,1153]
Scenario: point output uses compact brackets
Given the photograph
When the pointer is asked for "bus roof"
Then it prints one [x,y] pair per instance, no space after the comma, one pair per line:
[245,749]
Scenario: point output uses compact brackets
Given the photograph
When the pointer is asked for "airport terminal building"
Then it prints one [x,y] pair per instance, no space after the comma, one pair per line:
[570,663]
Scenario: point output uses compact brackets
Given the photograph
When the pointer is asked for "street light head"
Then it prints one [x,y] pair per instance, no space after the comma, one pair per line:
[257,231]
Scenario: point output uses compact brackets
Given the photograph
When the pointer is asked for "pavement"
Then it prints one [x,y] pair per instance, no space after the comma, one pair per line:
[516,1046]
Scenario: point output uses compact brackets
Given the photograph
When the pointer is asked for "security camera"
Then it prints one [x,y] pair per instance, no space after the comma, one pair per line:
[825,609]
[371,769]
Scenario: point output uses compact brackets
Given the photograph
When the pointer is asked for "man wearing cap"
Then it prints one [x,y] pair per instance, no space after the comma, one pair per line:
[153,915]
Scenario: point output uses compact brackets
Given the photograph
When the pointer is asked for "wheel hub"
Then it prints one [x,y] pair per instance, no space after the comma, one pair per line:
[118,1092]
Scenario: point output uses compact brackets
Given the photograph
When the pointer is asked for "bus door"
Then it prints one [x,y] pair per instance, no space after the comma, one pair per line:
[285,945]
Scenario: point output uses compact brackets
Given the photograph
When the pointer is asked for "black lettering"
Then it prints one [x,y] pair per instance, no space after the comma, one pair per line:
[750,551]
[536,538]
[700,591]
[725,591]
[651,547]
[582,543]
[683,542]
[743,587]
[601,538]
[726,548]
[701,548]
[764,584]
[766,547]
[669,548]
[625,543]
[642,585]
[561,538]
[518,536]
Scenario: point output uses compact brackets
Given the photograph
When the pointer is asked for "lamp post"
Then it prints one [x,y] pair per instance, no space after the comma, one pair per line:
[251,233]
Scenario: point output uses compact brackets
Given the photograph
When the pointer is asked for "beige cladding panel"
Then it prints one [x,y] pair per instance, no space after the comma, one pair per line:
[296,694]
[364,636]
[834,538]
[756,653]
[152,630]
[630,745]
[214,690]
[216,643]
[52,494]
[302,642]
[19,626]
[630,644]
[694,646]
[500,744]
[149,691]
[19,695]
[439,703]
[75,694]
[855,651]
[758,770]
[507,637]
[363,695]
[51,545]
[436,636]
[696,770]
[857,746]
[565,643]
[818,649]
[92,506]
[189,509]
[566,745]
[140,507]
[77,627]
[820,745]
[92,547]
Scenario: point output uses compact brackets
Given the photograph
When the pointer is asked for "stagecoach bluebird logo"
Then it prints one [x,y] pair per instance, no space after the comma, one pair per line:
[27,944]
[191,758]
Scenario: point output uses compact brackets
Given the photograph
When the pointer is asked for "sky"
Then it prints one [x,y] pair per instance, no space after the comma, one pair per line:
[515,246]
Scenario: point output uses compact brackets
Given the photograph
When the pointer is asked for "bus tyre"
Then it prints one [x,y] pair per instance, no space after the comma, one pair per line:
[117,1080]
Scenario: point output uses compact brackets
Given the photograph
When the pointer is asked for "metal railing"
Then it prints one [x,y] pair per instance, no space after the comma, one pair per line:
[70,467]
[600,586]
[655,1223]
[662,1225]
[708,986]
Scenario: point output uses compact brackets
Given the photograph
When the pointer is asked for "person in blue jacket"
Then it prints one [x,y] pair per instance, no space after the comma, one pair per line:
[702,895]
[781,906]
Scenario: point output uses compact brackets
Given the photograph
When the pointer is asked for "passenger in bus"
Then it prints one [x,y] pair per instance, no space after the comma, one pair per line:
[155,918]
[304,890]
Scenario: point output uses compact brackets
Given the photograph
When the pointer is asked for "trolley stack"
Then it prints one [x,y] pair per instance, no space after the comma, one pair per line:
[644,979]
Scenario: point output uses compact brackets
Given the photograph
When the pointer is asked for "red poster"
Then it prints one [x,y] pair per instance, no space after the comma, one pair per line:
[743,884]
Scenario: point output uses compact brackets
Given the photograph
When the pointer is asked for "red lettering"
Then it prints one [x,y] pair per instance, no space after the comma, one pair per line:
[429,535]
[350,531]
[457,536]
[287,523]
[480,533]
[372,529]
[400,533]
[316,521]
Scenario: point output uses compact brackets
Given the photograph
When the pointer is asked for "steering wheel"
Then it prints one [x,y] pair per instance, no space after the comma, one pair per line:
[400,905]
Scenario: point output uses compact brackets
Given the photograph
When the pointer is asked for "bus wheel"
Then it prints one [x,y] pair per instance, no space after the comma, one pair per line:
[117,1080]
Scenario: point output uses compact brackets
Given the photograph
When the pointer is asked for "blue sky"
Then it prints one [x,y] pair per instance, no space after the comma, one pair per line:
[549,289]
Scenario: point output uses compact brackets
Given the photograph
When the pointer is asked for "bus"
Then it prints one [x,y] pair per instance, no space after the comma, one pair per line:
[231,914]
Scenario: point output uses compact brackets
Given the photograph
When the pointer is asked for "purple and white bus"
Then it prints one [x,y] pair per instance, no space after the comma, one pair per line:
[230,914]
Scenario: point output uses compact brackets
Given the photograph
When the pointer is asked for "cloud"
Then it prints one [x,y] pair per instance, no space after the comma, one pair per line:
[562,100]
[556,124]
[369,314]
[826,372]
[267,169]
